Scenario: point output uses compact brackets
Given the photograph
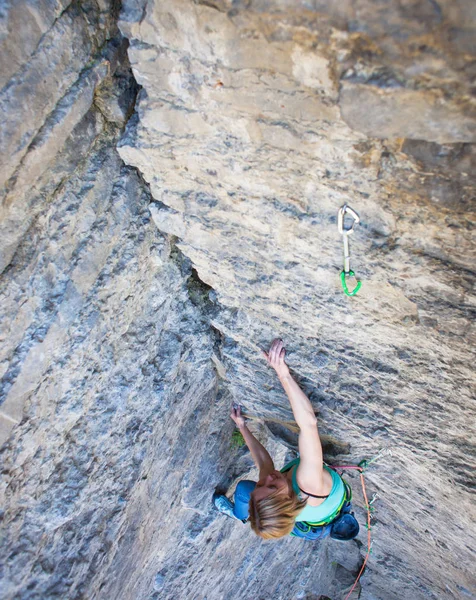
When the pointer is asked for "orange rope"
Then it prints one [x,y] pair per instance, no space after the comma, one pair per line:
[367,506]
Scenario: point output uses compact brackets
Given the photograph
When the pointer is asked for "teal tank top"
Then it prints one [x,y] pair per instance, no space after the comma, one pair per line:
[317,514]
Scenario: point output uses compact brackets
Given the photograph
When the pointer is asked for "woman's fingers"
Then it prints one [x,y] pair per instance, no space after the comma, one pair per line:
[276,353]
[236,409]
[276,346]
[272,351]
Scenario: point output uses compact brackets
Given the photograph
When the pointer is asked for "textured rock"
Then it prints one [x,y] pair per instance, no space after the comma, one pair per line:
[249,134]
[96,324]
[45,101]
[122,345]
[407,114]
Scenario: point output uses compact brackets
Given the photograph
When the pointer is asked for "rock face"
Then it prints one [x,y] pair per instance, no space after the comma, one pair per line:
[255,125]
[134,311]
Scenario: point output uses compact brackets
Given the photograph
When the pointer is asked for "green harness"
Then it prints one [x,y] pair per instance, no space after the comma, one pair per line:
[347,498]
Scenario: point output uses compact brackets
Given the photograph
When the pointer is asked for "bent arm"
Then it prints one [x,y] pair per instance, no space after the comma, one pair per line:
[260,455]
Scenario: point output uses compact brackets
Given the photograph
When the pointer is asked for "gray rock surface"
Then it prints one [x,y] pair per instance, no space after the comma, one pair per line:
[255,126]
[133,310]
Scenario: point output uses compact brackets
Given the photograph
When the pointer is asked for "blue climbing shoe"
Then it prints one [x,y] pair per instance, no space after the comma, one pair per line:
[224,505]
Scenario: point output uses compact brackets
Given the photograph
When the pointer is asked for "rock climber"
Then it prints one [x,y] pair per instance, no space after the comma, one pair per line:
[306,498]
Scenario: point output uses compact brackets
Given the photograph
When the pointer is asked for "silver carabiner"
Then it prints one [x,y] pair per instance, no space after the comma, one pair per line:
[345,232]
[340,219]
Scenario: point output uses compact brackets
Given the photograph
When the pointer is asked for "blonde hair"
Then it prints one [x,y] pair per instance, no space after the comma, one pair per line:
[273,517]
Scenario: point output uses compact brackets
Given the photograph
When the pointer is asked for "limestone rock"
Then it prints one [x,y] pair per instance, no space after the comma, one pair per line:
[254,127]
[399,113]
[122,346]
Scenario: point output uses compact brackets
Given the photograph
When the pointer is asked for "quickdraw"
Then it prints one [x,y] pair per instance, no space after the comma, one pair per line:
[345,232]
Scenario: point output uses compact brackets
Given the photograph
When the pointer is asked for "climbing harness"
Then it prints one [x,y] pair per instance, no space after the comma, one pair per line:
[345,232]
[368,505]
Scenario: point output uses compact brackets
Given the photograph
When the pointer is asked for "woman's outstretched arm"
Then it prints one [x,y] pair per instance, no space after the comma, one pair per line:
[260,455]
[310,470]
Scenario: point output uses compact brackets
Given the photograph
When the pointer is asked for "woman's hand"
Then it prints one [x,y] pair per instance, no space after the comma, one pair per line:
[260,455]
[275,358]
[236,415]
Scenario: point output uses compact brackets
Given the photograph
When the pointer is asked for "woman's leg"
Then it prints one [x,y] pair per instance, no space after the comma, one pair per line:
[242,498]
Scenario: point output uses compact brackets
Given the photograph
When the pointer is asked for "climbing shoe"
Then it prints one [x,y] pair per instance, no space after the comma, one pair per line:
[224,505]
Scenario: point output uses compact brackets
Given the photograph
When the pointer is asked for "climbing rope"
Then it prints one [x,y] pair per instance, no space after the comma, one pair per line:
[369,541]
[360,468]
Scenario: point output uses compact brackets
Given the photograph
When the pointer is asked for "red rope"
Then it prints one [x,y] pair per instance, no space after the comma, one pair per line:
[367,506]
